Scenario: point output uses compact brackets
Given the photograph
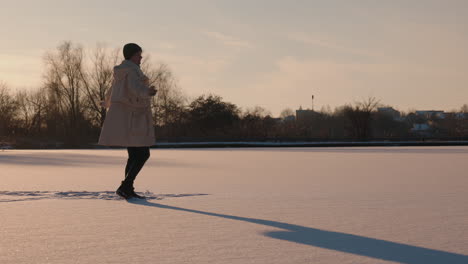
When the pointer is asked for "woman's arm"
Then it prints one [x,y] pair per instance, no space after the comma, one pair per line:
[137,86]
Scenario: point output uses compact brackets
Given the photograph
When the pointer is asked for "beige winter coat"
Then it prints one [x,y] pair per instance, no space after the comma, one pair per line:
[129,119]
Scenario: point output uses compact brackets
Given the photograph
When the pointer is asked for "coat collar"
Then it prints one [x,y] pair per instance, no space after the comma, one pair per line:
[130,64]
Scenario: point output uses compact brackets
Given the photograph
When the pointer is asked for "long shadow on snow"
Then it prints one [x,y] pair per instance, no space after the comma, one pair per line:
[355,244]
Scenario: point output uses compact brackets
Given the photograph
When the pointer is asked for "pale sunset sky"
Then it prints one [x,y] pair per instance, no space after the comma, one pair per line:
[410,54]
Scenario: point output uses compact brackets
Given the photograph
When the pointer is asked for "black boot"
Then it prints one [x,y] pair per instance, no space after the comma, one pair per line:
[135,195]
[125,190]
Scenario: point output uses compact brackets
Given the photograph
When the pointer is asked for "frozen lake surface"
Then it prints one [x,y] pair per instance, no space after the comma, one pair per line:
[237,205]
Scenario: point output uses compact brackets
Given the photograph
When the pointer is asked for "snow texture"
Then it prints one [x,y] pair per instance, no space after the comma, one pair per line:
[237,205]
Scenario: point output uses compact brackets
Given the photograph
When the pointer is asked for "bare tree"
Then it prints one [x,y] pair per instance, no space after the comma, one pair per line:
[31,110]
[24,110]
[169,102]
[63,78]
[326,110]
[359,116]
[255,122]
[8,110]
[286,112]
[464,108]
[97,80]
[257,111]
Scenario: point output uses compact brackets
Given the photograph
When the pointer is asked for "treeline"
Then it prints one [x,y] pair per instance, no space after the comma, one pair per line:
[65,110]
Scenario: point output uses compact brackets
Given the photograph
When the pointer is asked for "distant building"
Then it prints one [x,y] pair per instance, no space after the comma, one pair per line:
[428,114]
[305,115]
[396,115]
[5,145]
[277,119]
[289,118]
[420,127]
[461,115]
[455,115]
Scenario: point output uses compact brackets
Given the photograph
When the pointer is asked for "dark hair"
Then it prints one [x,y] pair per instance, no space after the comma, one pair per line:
[130,49]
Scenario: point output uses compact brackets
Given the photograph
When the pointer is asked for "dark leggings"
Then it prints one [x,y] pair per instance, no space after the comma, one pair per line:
[137,156]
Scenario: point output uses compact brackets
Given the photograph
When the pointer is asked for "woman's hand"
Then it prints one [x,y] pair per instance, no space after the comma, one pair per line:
[152,91]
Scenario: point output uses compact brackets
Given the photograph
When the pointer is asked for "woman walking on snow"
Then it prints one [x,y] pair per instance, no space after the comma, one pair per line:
[129,121]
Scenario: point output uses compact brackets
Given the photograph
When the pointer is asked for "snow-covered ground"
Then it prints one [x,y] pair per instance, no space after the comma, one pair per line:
[240,205]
